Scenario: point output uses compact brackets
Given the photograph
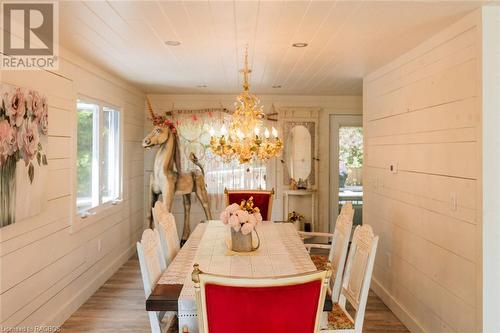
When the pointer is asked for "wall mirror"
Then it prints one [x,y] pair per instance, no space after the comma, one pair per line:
[298,154]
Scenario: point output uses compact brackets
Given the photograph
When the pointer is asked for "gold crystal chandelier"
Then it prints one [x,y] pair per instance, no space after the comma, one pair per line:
[247,138]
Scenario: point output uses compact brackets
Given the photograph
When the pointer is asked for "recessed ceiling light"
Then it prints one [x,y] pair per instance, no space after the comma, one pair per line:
[172,43]
[276,86]
[299,44]
[201,86]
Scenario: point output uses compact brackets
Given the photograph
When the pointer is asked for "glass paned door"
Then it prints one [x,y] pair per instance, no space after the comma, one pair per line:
[346,166]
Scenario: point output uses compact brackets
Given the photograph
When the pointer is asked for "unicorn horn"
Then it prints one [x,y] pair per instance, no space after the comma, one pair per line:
[150,109]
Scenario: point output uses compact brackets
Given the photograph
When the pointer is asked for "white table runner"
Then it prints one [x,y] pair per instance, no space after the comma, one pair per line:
[281,252]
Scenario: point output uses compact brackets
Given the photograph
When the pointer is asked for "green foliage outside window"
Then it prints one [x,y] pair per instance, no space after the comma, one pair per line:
[84,155]
[351,146]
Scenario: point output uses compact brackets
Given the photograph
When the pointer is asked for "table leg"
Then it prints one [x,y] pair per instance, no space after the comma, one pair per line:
[189,320]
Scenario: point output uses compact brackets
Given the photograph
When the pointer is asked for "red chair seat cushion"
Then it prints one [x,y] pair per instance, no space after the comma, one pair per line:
[260,200]
[281,309]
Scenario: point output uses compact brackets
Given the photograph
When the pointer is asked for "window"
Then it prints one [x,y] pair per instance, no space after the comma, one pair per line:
[98,156]
[235,176]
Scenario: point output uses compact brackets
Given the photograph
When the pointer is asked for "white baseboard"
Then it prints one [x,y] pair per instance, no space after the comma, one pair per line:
[68,308]
[398,310]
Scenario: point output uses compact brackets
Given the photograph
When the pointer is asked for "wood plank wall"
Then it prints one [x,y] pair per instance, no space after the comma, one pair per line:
[422,115]
[49,267]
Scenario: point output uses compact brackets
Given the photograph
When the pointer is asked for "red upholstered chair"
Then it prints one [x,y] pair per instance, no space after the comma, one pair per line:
[287,304]
[261,198]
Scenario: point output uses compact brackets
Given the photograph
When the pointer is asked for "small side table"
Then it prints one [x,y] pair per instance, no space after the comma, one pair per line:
[306,195]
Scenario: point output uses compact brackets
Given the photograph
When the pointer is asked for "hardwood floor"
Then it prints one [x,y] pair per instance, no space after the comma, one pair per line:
[118,306]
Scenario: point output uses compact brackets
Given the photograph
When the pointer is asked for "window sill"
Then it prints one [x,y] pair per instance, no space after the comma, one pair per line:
[90,217]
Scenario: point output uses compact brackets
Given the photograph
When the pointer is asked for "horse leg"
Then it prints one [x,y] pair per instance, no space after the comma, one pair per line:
[202,194]
[168,194]
[152,199]
[186,231]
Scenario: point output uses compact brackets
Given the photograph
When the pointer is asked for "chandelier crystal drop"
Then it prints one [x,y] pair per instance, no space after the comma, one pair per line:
[247,138]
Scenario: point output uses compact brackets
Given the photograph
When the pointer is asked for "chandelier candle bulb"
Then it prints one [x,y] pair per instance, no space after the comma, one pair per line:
[266,133]
[223,130]
[212,131]
[257,131]
[240,135]
[275,132]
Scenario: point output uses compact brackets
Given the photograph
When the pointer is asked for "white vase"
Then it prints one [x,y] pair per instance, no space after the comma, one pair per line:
[243,243]
[8,192]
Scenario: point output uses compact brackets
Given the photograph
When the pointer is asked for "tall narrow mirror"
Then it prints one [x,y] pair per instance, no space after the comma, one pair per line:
[299,152]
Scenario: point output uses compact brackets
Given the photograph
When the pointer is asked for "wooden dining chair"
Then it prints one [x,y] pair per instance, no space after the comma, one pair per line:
[355,285]
[164,222]
[152,264]
[347,210]
[286,304]
[261,198]
[337,256]
[337,249]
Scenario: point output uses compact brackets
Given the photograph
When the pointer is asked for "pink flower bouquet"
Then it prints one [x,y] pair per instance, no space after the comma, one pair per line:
[244,216]
[23,119]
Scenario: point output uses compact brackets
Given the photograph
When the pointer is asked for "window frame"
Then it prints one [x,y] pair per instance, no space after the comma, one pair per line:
[84,218]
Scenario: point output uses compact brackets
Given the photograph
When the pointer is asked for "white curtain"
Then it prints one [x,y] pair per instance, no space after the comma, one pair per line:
[193,129]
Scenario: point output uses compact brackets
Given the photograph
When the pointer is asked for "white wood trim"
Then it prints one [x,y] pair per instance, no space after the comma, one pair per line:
[491,165]
[397,308]
[301,193]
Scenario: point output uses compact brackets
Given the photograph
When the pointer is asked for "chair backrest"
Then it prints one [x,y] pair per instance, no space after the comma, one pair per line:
[288,304]
[346,214]
[164,222]
[152,263]
[261,198]
[151,259]
[347,209]
[357,277]
[338,251]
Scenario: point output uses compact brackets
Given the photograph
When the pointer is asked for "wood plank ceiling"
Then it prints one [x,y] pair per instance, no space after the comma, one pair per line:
[347,39]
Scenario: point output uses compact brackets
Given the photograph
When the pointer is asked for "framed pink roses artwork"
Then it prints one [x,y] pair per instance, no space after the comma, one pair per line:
[23,159]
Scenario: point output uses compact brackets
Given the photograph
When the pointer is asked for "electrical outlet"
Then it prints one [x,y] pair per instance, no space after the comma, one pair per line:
[393,167]
[99,245]
[454,201]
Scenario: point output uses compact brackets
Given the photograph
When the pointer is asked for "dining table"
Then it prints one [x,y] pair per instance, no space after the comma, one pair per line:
[281,252]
